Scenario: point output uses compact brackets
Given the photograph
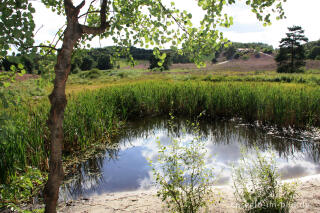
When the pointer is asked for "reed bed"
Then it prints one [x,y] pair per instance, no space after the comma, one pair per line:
[94,116]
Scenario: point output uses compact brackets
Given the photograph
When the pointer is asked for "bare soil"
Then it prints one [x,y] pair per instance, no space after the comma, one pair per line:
[147,201]
[263,63]
[26,77]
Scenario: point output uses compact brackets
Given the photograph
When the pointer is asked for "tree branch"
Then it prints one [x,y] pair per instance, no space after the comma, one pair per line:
[85,20]
[68,7]
[103,22]
[174,18]
[38,30]
[81,5]
[43,46]
[84,14]
[56,36]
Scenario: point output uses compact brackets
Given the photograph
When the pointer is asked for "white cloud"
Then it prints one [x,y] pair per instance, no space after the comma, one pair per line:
[47,22]
[304,14]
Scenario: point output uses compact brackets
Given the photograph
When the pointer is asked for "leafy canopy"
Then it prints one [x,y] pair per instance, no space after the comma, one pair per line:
[146,23]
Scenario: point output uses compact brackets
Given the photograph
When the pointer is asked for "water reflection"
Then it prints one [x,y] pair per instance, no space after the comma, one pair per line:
[124,167]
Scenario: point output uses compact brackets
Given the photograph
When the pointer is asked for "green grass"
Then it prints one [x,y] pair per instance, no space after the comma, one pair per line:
[103,76]
[93,116]
[313,79]
[123,63]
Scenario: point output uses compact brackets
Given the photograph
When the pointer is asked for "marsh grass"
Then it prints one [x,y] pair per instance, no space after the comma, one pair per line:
[310,78]
[94,116]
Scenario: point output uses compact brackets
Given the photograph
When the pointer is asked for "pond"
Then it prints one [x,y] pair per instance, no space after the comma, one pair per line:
[124,166]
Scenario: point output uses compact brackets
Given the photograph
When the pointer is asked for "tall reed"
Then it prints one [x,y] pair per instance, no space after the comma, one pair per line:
[93,116]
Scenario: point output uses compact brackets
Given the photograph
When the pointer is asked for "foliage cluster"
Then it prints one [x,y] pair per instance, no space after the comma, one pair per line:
[32,63]
[180,171]
[84,60]
[268,49]
[258,186]
[161,62]
[312,49]
[92,74]
[234,51]
[28,63]
[23,186]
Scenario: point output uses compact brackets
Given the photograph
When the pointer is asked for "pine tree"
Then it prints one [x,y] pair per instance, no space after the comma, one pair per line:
[291,56]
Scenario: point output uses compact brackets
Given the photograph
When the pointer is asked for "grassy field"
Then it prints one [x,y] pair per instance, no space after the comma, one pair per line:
[99,103]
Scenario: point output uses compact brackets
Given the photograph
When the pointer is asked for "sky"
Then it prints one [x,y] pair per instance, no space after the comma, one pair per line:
[246,27]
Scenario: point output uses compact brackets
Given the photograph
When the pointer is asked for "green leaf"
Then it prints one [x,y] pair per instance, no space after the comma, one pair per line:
[6,84]
[13,68]
[20,66]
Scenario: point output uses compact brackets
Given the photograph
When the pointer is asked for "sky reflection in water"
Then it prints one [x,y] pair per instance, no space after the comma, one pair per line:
[124,167]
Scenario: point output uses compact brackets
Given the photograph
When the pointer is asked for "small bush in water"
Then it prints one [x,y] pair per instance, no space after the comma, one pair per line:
[183,179]
[258,187]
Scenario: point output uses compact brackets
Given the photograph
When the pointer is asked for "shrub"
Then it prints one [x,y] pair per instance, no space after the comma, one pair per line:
[257,54]
[104,62]
[76,61]
[258,187]
[236,55]
[123,75]
[315,52]
[267,50]
[214,60]
[94,73]
[207,78]
[22,188]
[28,63]
[245,57]
[76,70]
[185,182]
[230,52]
[155,63]
[318,57]
[87,63]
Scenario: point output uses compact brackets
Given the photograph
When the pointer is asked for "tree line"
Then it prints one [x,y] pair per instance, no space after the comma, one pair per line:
[312,49]
[101,58]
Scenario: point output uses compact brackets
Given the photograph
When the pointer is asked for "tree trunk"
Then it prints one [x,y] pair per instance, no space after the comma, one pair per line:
[55,122]
[58,99]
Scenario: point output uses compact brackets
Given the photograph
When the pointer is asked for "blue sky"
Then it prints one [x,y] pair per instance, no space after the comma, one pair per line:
[246,28]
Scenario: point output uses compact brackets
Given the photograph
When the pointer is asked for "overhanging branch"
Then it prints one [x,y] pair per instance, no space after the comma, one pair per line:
[103,22]
[43,46]
[81,5]
[85,14]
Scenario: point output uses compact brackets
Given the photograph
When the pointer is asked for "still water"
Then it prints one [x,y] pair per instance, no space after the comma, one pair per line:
[124,165]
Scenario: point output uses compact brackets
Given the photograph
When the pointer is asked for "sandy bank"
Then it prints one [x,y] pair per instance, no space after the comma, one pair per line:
[147,201]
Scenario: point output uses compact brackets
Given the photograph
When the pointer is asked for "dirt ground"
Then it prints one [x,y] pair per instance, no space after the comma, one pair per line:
[147,201]
[264,63]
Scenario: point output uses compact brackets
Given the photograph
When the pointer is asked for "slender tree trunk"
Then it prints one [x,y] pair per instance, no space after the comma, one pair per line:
[58,99]
[55,122]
